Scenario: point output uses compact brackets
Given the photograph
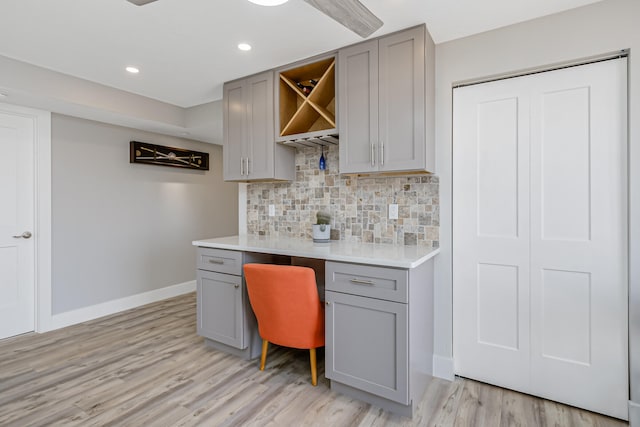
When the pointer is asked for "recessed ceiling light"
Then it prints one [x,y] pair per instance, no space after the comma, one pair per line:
[244,46]
[269,2]
[132,70]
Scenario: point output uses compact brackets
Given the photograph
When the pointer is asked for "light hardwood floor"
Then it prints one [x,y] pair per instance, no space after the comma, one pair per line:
[147,367]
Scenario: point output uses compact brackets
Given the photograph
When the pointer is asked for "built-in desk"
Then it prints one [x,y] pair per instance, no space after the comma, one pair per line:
[378,310]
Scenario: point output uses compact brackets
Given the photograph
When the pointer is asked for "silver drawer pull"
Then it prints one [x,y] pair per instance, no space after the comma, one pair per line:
[236,286]
[362,282]
[216,261]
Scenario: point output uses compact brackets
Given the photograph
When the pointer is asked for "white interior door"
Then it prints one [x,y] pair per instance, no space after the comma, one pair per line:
[17,286]
[540,235]
[491,234]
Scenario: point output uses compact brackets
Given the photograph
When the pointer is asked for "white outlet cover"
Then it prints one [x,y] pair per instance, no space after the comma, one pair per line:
[393,211]
[272,210]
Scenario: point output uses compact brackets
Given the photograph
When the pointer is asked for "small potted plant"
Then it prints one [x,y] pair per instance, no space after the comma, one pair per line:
[322,227]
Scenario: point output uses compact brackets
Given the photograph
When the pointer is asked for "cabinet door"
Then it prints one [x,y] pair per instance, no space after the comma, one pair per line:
[234,117]
[358,107]
[366,343]
[259,125]
[219,306]
[402,101]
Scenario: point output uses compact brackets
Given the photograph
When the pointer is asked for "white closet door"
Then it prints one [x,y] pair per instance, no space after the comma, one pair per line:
[539,235]
[579,270]
[491,234]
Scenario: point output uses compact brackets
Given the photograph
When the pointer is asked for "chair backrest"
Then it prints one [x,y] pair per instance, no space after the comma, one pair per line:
[285,301]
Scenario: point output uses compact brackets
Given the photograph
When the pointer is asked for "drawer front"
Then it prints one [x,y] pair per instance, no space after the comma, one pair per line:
[220,261]
[389,284]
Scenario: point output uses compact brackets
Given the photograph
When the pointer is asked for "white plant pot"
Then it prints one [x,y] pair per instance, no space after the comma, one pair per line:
[321,233]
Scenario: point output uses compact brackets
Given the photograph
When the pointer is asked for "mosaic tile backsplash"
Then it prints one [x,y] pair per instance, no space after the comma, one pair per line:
[358,205]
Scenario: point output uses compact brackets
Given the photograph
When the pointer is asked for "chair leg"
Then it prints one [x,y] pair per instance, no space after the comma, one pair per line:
[314,375]
[263,357]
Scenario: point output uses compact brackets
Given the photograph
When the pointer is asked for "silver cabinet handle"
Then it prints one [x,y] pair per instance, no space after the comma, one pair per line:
[25,235]
[362,282]
[216,261]
[236,286]
[373,154]
[381,153]
[241,166]
[327,302]
[248,171]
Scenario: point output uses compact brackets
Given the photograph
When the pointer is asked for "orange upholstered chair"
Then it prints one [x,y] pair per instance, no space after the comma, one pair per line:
[286,303]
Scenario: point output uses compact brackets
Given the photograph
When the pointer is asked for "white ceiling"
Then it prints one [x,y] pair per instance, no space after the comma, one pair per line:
[186,49]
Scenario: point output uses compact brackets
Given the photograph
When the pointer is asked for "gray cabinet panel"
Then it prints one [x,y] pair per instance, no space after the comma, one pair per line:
[220,308]
[261,144]
[402,100]
[367,345]
[364,280]
[233,112]
[358,102]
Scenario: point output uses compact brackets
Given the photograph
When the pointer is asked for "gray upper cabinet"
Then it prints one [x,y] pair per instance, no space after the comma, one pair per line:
[383,104]
[250,152]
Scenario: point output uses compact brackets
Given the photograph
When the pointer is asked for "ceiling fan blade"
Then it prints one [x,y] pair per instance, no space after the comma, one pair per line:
[140,2]
[350,13]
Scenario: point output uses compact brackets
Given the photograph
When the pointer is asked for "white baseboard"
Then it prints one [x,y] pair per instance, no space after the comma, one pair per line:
[85,314]
[634,414]
[443,367]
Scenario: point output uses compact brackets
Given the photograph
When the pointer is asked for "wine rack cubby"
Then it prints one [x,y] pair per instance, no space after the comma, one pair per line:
[307,103]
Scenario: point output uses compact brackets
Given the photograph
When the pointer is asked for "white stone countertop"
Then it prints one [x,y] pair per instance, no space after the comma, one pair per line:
[337,250]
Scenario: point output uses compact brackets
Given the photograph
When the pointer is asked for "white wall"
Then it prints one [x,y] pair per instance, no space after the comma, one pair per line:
[580,33]
[121,229]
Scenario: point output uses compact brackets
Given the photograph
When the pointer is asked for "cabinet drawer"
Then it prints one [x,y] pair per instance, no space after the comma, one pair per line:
[220,260]
[376,282]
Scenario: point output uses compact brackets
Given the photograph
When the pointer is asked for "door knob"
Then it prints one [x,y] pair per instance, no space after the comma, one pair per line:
[25,235]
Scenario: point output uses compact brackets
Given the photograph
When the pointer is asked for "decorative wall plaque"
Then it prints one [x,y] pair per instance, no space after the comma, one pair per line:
[142,152]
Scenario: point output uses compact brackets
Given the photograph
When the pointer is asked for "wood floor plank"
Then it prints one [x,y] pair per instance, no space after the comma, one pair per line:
[520,410]
[557,414]
[148,367]
[479,405]
[446,414]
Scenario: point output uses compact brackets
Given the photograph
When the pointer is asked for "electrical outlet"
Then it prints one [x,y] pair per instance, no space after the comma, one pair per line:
[393,211]
[272,210]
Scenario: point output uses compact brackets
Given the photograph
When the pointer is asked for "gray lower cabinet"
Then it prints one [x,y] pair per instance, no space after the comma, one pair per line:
[220,308]
[379,333]
[224,315]
[366,345]
[378,330]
